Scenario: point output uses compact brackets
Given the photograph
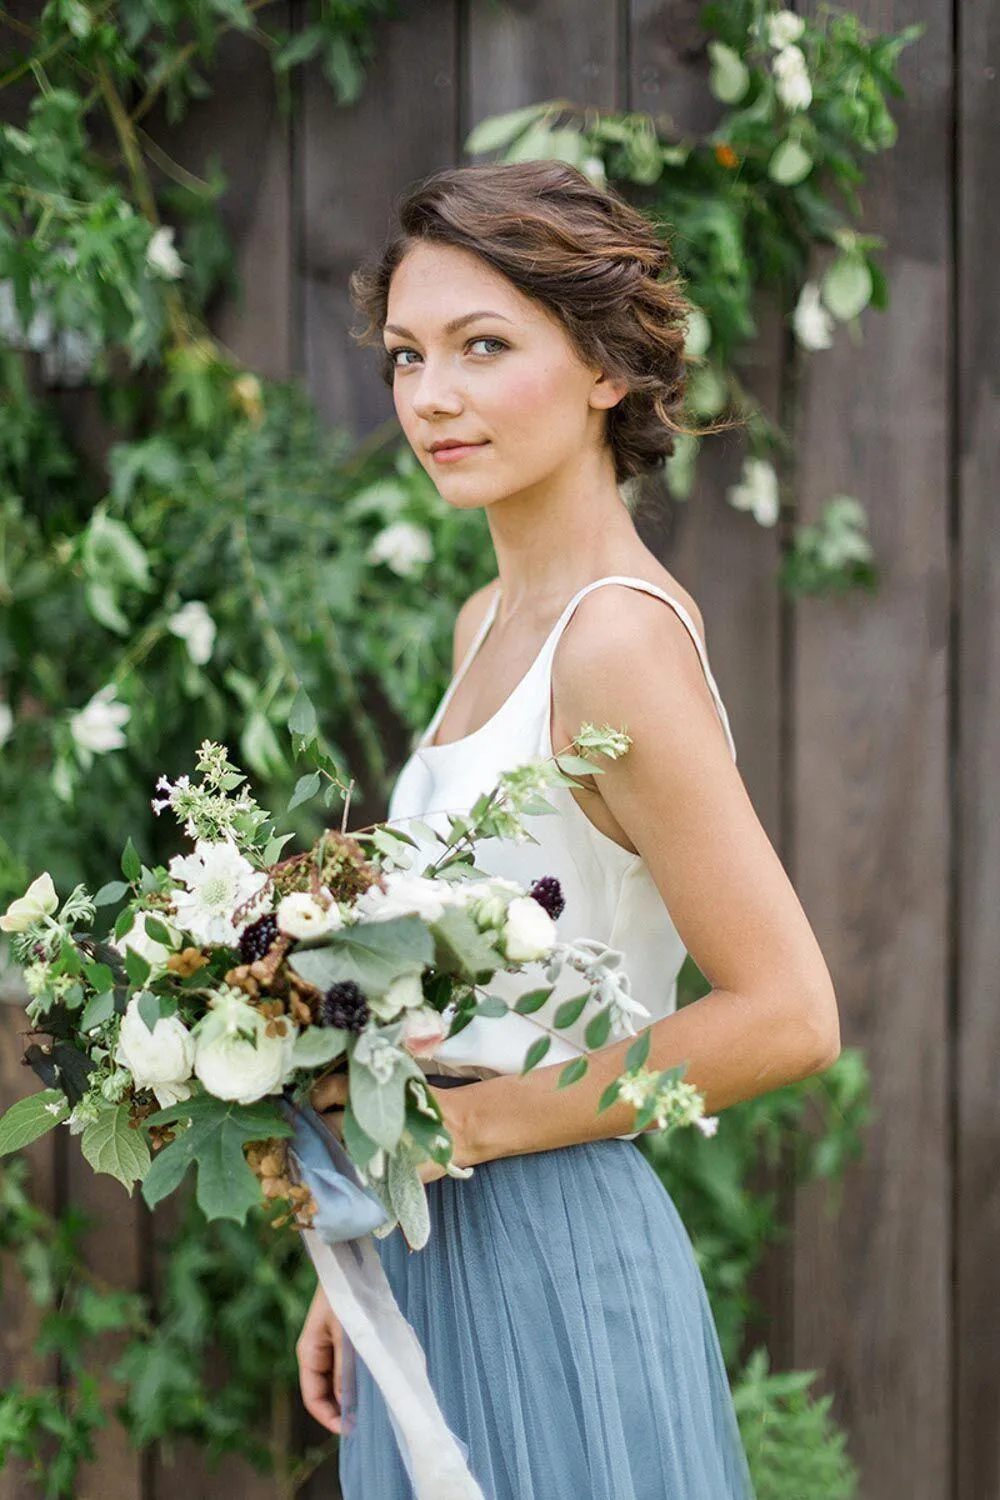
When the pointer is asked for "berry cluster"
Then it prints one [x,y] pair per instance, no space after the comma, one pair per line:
[257,937]
[344,1005]
[548,893]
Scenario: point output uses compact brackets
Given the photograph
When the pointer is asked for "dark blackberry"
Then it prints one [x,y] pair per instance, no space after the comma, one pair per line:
[548,893]
[257,937]
[345,1005]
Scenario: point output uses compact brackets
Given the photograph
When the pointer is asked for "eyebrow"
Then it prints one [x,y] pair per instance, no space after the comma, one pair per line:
[452,327]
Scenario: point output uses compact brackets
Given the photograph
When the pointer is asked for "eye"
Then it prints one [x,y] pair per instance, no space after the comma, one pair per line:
[402,349]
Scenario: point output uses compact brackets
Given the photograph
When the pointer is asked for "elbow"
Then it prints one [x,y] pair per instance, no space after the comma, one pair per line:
[816,1024]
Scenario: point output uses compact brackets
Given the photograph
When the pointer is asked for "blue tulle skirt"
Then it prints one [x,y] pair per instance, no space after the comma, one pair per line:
[568,1335]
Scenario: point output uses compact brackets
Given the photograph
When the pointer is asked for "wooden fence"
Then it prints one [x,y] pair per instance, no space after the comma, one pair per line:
[868,729]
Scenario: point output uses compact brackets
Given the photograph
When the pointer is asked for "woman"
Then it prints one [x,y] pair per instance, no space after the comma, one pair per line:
[531,321]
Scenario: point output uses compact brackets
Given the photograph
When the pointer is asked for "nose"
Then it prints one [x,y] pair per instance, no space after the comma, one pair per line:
[434,389]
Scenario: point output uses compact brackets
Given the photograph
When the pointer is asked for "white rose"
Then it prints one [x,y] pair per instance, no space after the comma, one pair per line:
[812,323]
[783,28]
[98,725]
[529,932]
[403,993]
[300,915]
[195,627]
[39,900]
[235,1058]
[423,1031]
[160,1059]
[403,546]
[139,940]
[161,256]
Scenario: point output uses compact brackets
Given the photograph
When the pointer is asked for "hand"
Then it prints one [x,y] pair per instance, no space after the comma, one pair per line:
[320,1355]
[329,1096]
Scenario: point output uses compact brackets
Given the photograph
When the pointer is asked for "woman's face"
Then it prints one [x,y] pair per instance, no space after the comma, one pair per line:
[503,377]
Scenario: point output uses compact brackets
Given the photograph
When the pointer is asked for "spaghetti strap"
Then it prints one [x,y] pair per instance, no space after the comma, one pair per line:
[477,640]
[549,648]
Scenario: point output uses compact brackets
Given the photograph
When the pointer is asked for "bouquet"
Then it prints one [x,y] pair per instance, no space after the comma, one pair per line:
[190,1031]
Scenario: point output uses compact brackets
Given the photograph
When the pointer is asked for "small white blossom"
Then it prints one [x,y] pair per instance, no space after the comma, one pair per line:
[404,547]
[529,932]
[812,323]
[783,28]
[791,78]
[161,255]
[757,491]
[376,1053]
[195,627]
[707,1124]
[217,879]
[6,721]
[98,725]
[300,915]
[39,901]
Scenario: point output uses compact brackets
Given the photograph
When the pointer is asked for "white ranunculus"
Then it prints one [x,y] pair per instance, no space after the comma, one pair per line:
[6,721]
[404,993]
[139,940]
[161,255]
[812,323]
[234,1057]
[300,915]
[423,1031]
[783,28]
[758,491]
[403,546]
[791,78]
[196,628]
[160,1059]
[529,932]
[39,900]
[217,880]
[98,725]
[405,895]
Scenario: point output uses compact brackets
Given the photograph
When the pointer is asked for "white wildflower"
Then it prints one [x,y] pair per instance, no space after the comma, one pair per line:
[757,491]
[193,624]
[812,323]
[39,901]
[217,879]
[791,78]
[783,28]
[404,547]
[161,255]
[98,725]
[707,1124]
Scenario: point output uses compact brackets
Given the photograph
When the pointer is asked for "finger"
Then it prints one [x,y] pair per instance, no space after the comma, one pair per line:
[316,1361]
[333,1119]
[330,1091]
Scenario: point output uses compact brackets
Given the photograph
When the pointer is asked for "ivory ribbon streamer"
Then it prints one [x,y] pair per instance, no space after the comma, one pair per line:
[357,1289]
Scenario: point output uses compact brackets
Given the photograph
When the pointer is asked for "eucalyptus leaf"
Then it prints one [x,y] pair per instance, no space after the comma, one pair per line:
[373,954]
[380,1108]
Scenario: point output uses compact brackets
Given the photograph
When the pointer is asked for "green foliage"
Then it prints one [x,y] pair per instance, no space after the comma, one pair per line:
[213,1141]
[794,1450]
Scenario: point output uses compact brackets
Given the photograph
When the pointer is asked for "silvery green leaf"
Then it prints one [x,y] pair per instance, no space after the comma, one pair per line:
[379,1108]
[499,130]
[317,1045]
[372,954]
[409,1196]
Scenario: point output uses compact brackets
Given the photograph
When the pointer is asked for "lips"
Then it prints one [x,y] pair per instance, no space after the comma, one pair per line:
[454,452]
[454,443]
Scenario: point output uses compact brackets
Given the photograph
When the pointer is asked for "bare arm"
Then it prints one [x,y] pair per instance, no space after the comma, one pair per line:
[320,1356]
[771,1016]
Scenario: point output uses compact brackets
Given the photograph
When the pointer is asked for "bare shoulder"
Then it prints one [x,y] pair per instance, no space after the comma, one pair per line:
[469,618]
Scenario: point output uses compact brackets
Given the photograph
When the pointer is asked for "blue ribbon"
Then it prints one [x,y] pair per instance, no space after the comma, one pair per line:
[346,1208]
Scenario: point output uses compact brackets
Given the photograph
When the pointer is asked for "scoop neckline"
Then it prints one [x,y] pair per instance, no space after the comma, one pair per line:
[473,734]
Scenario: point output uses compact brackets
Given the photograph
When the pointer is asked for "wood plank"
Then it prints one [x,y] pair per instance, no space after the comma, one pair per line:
[872,835]
[977,1226]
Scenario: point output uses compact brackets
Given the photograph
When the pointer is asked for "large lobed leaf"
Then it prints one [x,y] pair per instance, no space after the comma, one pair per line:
[214,1141]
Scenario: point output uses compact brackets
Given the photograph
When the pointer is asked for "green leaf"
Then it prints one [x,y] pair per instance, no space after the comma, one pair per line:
[358,1144]
[598,1029]
[492,1007]
[462,949]
[110,893]
[535,1053]
[408,1196]
[380,1108]
[497,131]
[570,1010]
[306,787]
[214,1140]
[609,1096]
[577,765]
[99,1008]
[373,954]
[153,1007]
[533,1000]
[302,718]
[571,1072]
[317,1045]
[112,1145]
[158,931]
[636,1055]
[131,864]
[31,1118]
[137,967]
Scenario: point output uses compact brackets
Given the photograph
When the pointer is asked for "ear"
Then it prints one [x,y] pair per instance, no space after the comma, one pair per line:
[605,392]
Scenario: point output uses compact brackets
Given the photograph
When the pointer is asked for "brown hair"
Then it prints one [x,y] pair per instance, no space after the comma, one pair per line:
[581,251]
